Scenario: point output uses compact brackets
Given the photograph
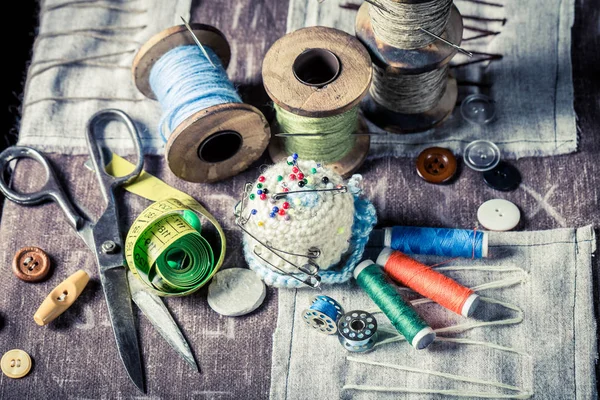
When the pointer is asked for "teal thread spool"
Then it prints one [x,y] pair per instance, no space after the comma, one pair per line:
[403,317]
[316,78]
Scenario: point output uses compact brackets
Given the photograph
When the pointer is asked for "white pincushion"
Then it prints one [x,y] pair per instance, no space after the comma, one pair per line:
[314,219]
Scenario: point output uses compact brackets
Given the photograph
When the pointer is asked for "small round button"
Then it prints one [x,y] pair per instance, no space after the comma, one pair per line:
[436,165]
[478,109]
[15,363]
[481,155]
[31,264]
[504,177]
[498,215]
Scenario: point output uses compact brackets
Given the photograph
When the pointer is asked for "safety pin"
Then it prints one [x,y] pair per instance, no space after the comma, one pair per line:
[441,39]
[189,28]
[313,281]
[280,195]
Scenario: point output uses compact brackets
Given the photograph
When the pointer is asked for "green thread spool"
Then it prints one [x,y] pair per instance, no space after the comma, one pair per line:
[336,134]
[403,317]
[316,78]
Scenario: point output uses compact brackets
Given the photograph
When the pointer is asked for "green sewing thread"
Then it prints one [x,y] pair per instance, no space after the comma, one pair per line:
[338,132]
[402,316]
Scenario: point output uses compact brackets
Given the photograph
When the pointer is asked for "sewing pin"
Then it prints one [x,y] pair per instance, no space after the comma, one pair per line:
[189,28]
[280,195]
[460,49]
[326,134]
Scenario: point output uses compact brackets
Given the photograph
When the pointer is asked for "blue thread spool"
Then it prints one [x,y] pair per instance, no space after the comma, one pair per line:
[357,331]
[210,134]
[323,314]
[437,241]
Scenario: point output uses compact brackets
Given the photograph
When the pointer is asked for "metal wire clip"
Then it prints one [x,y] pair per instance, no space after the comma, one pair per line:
[310,268]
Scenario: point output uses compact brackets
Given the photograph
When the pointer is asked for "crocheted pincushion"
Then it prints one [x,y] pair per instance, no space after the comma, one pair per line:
[337,223]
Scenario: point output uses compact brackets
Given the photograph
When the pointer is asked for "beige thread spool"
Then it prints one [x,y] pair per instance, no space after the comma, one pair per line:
[395,61]
[216,142]
[319,72]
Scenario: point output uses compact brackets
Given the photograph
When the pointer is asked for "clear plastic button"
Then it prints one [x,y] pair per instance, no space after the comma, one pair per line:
[482,155]
[478,109]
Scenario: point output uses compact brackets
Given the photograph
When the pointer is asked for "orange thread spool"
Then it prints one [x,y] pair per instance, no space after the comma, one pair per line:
[427,282]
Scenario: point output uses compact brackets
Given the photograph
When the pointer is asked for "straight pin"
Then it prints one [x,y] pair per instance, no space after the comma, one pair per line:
[441,39]
[189,28]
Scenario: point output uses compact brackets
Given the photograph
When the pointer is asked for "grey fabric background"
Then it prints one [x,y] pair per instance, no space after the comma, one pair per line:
[557,332]
[235,354]
[68,76]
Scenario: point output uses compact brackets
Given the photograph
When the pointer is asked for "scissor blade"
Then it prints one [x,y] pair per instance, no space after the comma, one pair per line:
[116,290]
[155,310]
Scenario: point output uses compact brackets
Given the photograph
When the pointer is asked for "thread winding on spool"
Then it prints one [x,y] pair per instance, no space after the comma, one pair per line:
[411,91]
[437,241]
[427,282]
[316,78]
[210,134]
[399,23]
[403,317]
[357,331]
[323,315]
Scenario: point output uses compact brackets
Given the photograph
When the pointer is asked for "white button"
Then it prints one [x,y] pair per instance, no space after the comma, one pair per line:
[498,215]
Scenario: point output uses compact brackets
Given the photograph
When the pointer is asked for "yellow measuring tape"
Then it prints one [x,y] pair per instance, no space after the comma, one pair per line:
[164,247]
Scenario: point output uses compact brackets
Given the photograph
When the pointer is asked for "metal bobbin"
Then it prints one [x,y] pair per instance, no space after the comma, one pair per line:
[320,321]
[357,331]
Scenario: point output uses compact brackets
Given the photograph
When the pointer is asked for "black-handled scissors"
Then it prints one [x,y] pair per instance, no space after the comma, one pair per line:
[103,237]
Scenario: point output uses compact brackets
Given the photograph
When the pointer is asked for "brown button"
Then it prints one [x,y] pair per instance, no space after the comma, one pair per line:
[31,264]
[436,165]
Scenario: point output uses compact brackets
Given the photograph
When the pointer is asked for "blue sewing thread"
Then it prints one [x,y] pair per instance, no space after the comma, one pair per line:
[323,314]
[185,82]
[438,241]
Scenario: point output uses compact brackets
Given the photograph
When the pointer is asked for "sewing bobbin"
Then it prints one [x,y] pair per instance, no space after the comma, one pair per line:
[319,72]
[394,61]
[213,143]
[323,314]
[357,331]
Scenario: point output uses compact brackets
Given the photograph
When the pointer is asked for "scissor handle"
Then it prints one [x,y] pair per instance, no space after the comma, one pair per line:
[107,181]
[52,190]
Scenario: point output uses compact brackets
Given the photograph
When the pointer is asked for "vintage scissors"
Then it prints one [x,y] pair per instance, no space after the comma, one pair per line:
[102,237]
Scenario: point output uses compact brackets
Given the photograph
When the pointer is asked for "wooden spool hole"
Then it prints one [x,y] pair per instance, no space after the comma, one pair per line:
[316,67]
[220,147]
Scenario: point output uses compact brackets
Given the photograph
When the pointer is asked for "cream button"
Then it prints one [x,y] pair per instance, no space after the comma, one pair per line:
[498,215]
[15,363]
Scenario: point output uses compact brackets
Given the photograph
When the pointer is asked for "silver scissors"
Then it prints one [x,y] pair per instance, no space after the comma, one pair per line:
[102,237]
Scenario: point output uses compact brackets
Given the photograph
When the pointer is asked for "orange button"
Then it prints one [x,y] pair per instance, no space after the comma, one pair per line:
[436,165]
[31,264]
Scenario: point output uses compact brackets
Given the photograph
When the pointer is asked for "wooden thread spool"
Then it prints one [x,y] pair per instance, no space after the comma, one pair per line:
[216,142]
[319,72]
[397,61]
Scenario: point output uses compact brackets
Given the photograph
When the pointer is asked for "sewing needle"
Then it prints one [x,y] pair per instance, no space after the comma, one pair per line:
[189,28]
[465,52]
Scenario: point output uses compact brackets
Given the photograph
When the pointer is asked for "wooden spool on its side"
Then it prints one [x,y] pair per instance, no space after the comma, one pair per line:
[319,72]
[410,62]
[214,143]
